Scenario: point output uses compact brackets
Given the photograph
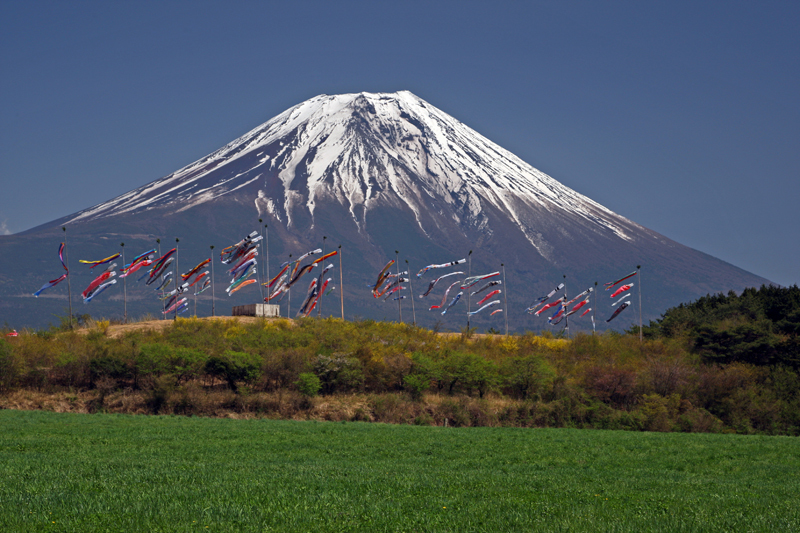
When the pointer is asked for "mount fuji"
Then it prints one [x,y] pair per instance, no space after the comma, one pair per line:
[379,173]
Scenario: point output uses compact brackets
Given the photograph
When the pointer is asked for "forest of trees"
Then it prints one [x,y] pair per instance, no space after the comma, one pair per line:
[759,326]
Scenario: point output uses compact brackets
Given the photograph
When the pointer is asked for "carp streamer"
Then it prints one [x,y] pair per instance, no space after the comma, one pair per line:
[578,306]
[54,282]
[539,301]
[443,265]
[444,298]
[96,282]
[175,306]
[51,283]
[98,290]
[618,311]
[496,291]
[548,306]
[490,284]
[490,304]
[621,290]
[206,284]
[198,278]
[434,282]
[454,302]
[469,282]
[620,300]
[160,266]
[233,253]
[579,296]
[382,275]
[242,284]
[100,262]
[134,267]
[61,255]
[138,259]
[195,270]
[611,284]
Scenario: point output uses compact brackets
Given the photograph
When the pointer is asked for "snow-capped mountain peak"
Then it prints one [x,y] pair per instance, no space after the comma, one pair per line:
[364,150]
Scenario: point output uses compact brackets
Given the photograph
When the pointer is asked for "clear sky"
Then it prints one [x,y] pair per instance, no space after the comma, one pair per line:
[682,116]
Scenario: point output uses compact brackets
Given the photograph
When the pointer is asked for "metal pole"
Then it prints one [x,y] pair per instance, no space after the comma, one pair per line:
[397,260]
[289,305]
[213,310]
[341,283]
[322,266]
[566,326]
[469,274]
[266,230]
[259,272]
[69,284]
[638,267]
[163,302]
[505,296]
[124,287]
[594,308]
[177,274]
[411,295]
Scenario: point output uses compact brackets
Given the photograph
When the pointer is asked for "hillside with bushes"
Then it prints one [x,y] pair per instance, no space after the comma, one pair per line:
[725,363]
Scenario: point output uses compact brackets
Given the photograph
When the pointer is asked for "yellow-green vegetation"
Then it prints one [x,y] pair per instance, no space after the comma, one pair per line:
[388,372]
[76,473]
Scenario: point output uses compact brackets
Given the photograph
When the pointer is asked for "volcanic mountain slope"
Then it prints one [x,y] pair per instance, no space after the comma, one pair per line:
[384,172]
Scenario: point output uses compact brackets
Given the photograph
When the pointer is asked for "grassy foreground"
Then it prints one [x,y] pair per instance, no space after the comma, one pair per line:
[74,472]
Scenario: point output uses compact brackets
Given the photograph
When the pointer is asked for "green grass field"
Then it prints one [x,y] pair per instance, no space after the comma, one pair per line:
[69,472]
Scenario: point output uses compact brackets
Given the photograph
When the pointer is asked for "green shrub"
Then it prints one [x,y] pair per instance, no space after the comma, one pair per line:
[233,367]
[153,359]
[308,384]
[187,364]
[526,377]
[416,384]
[108,367]
[338,372]
[470,372]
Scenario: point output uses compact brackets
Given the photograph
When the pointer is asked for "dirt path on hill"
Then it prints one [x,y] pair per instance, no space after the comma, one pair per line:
[118,330]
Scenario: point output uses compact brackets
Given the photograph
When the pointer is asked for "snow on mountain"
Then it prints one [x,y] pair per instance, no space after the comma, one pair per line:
[366,150]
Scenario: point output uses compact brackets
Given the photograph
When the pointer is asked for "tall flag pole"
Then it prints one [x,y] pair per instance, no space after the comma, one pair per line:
[163,302]
[397,262]
[341,284]
[594,311]
[638,267]
[411,291]
[124,288]
[177,272]
[69,285]
[469,274]
[212,282]
[266,247]
[259,272]
[322,266]
[289,304]
[566,326]
[505,295]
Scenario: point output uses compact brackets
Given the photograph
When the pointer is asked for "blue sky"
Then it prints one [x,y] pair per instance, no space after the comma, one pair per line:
[682,116]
